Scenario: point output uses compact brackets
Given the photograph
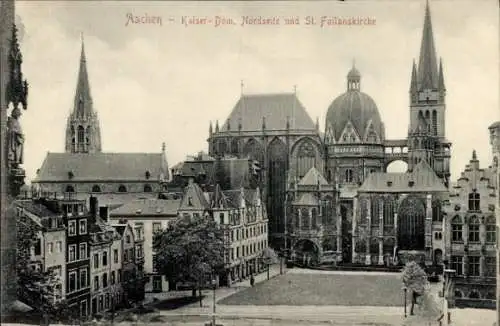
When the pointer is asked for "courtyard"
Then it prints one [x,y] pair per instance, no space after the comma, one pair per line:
[298,288]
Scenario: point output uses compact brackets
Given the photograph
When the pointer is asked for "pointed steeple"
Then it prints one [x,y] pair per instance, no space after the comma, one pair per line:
[474,155]
[210,129]
[427,65]
[83,99]
[217,126]
[83,134]
[414,81]
[441,76]
[317,124]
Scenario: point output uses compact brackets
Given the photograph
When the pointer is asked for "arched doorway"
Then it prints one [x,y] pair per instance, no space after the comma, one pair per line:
[411,224]
[306,252]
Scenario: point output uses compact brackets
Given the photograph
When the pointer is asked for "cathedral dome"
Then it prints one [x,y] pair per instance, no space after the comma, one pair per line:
[354,111]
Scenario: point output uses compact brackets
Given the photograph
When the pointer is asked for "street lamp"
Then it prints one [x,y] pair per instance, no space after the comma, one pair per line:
[405,291]
[214,283]
[448,279]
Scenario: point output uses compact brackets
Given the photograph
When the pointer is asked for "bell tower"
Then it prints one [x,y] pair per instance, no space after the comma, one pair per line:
[83,134]
[428,107]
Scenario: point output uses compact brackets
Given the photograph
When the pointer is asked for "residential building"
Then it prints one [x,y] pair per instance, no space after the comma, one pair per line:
[85,169]
[471,236]
[49,253]
[147,216]
[495,145]
[242,215]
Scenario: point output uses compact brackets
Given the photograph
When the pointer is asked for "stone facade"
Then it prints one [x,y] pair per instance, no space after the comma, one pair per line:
[276,130]
[470,235]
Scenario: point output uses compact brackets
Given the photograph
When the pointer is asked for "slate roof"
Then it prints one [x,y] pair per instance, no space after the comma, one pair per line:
[116,199]
[312,178]
[102,166]
[36,208]
[193,198]
[148,207]
[423,177]
[275,108]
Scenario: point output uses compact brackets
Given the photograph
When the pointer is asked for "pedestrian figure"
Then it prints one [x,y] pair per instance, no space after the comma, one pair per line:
[252,280]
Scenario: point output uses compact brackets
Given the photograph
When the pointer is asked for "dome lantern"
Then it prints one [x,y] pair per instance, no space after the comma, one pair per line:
[353,79]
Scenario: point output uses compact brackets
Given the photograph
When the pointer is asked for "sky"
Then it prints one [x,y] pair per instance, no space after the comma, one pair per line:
[153,83]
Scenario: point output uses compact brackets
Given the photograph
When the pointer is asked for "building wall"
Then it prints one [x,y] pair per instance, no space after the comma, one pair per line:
[470,245]
[100,274]
[55,254]
[115,267]
[106,186]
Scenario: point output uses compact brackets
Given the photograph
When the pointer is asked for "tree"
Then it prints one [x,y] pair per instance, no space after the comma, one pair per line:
[36,287]
[189,250]
[269,257]
[415,280]
[428,308]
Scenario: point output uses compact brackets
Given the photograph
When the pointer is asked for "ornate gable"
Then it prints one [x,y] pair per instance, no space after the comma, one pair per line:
[371,135]
[349,134]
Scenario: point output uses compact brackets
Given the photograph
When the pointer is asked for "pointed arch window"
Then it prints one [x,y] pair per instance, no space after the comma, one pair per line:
[474,201]
[235,148]
[70,188]
[349,177]
[314,217]
[147,188]
[491,236]
[122,188]
[80,107]
[434,122]
[456,229]
[375,211]
[81,134]
[474,225]
[96,188]
[305,218]
[436,211]
[388,213]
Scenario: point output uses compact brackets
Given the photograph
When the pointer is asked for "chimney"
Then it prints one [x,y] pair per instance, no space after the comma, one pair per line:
[104,213]
[94,206]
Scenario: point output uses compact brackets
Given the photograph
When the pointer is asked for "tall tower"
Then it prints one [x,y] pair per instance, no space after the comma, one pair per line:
[83,134]
[426,134]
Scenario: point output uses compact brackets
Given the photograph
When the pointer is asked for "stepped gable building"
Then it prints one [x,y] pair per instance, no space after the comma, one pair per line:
[276,130]
[470,235]
[84,168]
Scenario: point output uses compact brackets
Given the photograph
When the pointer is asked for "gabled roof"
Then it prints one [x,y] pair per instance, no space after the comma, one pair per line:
[312,178]
[103,167]
[306,199]
[252,109]
[35,208]
[422,179]
[193,198]
[148,207]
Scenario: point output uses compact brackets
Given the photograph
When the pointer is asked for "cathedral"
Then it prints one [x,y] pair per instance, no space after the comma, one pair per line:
[85,169]
[329,195]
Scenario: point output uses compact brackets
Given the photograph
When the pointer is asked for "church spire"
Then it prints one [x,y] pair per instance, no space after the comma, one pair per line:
[83,134]
[427,65]
[414,82]
[83,99]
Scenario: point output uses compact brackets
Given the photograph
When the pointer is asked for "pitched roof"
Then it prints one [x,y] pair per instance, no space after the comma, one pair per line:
[35,208]
[252,109]
[312,178]
[421,179]
[148,207]
[103,167]
[193,198]
[306,199]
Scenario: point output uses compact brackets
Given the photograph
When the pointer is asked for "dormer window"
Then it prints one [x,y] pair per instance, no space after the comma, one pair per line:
[70,175]
[190,201]
[122,188]
[147,175]
[411,183]
[389,183]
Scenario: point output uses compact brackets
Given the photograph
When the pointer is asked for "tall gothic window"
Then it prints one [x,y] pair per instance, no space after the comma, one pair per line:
[314,217]
[436,211]
[474,201]
[491,230]
[305,218]
[375,211]
[235,147]
[349,176]
[388,212]
[411,224]
[456,229]
[434,122]
[474,229]
[306,157]
[81,135]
